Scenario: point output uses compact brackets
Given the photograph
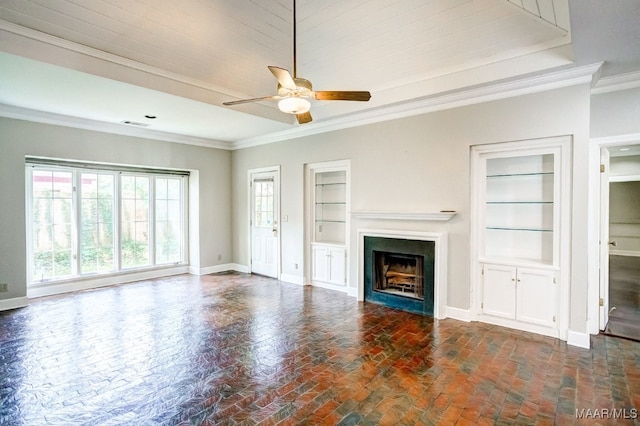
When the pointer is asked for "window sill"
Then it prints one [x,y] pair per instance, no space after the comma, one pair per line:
[86,282]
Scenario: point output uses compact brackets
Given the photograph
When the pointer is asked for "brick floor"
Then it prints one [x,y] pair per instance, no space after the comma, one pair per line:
[234,349]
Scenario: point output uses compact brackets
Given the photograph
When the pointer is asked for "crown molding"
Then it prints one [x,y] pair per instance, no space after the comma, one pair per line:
[475,95]
[618,82]
[19,113]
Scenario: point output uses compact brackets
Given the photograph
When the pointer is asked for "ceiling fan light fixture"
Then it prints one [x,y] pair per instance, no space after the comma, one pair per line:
[294,105]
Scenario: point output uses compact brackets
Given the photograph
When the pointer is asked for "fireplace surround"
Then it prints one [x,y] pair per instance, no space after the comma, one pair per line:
[429,249]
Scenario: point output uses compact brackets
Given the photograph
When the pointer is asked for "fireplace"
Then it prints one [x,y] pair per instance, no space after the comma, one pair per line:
[399,273]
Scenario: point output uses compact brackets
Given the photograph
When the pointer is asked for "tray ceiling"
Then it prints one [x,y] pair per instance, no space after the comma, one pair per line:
[210,51]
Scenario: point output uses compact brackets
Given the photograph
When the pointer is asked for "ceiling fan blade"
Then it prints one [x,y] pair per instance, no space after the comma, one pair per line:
[283,76]
[245,101]
[303,118]
[336,95]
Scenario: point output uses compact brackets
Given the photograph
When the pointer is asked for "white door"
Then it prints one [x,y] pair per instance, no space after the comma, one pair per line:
[337,266]
[604,238]
[536,296]
[499,291]
[320,263]
[265,253]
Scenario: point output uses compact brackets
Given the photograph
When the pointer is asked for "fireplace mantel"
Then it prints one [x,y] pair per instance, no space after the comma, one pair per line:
[442,215]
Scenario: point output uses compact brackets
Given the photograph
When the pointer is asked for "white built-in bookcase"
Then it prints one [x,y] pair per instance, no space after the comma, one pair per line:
[521,221]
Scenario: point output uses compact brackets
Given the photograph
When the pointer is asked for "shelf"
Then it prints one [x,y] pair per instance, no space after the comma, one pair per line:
[521,174]
[443,215]
[330,221]
[339,203]
[331,184]
[492,228]
[519,202]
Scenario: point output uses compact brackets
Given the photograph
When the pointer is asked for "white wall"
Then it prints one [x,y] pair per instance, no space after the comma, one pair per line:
[615,113]
[624,217]
[421,163]
[20,138]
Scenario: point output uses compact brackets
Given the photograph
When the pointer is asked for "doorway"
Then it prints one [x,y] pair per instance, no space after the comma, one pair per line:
[264,232]
[620,292]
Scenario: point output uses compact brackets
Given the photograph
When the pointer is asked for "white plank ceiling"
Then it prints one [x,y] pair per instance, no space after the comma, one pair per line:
[219,49]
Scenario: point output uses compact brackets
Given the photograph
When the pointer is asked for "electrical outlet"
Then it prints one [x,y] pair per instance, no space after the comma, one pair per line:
[4,287]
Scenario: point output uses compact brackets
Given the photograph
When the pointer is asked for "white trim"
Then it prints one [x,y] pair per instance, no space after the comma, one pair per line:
[579,339]
[336,287]
[443,215]
[13,303]
[470,96]
[459,314]
[352,291]
[292,279]
[220,268]
[520,325]
[91,283]
[19,113]
[440,267]
[617,82]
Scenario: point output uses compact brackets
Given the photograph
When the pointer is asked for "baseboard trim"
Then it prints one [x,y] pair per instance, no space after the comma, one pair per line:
[97,282]
[292,279]
[579,339]
[459,314]
[220,268]
[328,286]
[13,303]
[352,291]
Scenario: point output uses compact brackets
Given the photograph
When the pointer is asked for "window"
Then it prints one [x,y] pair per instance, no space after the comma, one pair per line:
[263,199]
[94,221]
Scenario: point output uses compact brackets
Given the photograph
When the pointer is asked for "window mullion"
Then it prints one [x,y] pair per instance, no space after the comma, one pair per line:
[152,221]
[117,238]
[76,220]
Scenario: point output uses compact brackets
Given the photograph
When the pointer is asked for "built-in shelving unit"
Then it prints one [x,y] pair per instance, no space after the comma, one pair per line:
[330,206]
[329,222]
[520,233]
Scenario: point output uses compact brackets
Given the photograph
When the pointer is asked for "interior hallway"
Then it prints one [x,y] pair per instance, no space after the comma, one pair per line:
[624,294]
[236,349]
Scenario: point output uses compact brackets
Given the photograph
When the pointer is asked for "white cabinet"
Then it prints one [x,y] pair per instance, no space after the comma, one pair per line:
[521,203]
[329,264]
[518,293]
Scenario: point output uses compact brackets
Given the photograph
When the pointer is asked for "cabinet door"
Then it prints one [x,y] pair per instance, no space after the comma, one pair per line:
[536,300]
[337,266]
[499,291]
[320,264]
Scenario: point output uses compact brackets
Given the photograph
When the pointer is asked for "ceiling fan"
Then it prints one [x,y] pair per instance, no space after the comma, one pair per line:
[294,92]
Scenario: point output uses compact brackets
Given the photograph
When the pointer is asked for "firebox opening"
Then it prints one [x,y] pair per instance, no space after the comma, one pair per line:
[399,274]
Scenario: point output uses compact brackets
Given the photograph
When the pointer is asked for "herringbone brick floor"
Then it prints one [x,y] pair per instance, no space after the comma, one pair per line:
[235,349]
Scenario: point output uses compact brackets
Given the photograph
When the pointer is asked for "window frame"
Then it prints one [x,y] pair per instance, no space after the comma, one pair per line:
[117,172]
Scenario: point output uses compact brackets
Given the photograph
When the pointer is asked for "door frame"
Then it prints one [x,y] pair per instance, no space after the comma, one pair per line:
[276,188]
[598,284]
